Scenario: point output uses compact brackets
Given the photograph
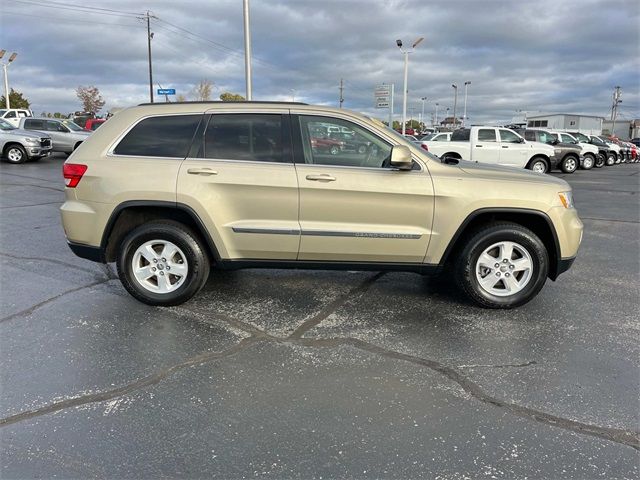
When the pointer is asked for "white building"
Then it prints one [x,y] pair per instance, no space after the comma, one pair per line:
[624,129]
[567,122]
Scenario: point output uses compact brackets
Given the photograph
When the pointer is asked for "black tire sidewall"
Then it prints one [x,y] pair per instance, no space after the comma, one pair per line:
[20,149]
[194,252]
[465,268]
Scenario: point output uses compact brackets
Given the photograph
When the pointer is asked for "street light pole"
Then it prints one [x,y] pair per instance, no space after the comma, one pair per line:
[455,103]
[464,115]
[12,57]
[422,117]
[247,48]
[406,78]
[435,122]
[149,37]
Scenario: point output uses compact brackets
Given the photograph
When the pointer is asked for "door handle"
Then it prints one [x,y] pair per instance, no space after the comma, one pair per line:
[505,146]
[321,178]
[201,171]
[479,146]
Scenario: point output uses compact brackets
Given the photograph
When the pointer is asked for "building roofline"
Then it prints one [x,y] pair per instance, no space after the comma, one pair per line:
[565,114]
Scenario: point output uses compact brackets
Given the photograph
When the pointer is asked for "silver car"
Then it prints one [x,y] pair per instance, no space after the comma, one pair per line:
[18,146]
[65,134]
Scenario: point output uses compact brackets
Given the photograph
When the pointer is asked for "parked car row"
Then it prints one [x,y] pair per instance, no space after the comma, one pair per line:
[536,149]
[33,138]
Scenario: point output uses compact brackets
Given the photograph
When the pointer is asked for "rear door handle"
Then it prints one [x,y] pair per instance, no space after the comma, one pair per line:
[201,171]
[479,146]
[505,146]
[321,178]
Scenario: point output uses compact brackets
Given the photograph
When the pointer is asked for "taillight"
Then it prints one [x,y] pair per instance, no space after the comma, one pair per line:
[72,173]
[424,147]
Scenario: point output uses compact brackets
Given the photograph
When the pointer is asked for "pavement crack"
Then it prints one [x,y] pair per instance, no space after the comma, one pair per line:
[504,365]
[33,178]
[608,220]
[625,437]
[57,262]
[333,306]
[35,307]
[128,388]
[31,205]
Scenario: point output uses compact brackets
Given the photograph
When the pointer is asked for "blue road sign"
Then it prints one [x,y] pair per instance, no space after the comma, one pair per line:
[166,91]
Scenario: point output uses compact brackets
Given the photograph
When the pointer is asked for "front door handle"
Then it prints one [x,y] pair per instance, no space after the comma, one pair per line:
[321,178]
[201,171]
[505,146]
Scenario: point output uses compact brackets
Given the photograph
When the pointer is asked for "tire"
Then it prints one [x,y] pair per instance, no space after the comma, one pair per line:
[611,159]
[569,164]
[190,258]
[538,165]
[15,154]
[600,161]
[334,150]
[528,249]
[618,159]
[588,162]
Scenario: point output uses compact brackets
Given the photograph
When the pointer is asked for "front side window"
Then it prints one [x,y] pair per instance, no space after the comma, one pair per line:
[10,114]
[567,138]
[486,135]
[71,125]
[22,114]
[357,148]
[164,136]
[507,136]
[53,126]
[34,124]
[249,137]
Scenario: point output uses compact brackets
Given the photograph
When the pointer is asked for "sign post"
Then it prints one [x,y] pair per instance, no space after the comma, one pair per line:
[383,95]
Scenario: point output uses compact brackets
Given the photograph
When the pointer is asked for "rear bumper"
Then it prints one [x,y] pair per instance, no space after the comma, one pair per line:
[95,254]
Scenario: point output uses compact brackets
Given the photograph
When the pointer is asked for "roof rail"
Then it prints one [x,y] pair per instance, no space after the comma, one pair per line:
[196,102]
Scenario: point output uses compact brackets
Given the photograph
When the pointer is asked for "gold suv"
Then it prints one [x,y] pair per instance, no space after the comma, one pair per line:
[168,190]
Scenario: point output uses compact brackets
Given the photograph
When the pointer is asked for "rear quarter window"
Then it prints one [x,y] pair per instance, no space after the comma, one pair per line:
[162,136]
[34,124]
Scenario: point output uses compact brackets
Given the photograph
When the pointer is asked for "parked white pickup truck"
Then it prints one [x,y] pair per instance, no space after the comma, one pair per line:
[499,146]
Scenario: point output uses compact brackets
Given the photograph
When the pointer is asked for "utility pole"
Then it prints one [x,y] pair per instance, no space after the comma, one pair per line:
[435,121]
[422,120]
[247,47]
[455,104]
[406,78]
[617,93]
[12,57]
[464,115]
[148,18]
[341,90]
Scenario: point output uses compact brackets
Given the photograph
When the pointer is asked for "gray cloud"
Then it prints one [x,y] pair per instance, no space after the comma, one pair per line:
[535,55]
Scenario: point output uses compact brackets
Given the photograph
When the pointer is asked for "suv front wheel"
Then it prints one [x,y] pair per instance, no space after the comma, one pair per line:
[502,266]
[162,263]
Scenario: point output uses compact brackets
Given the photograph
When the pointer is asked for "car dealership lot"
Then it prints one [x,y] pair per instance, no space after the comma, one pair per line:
[316,374]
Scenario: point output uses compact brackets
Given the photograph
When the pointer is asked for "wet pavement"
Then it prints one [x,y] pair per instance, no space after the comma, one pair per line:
[303,374]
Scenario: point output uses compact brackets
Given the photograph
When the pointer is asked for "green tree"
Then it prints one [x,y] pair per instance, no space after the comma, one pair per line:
[231,97]
[16,100]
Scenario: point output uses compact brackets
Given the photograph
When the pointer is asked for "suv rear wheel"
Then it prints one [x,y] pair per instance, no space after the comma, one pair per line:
[502,266]
[162,263]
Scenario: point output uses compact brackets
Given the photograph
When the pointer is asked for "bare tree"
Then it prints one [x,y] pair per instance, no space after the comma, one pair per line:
[90,98]
[203,90]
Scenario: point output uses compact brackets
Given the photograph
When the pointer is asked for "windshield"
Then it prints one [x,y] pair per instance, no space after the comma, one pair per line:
[581,137]
[4,125]
[72,126]
[426,138]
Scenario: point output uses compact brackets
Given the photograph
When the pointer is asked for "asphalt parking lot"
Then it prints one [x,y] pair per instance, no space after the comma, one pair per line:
[302,374]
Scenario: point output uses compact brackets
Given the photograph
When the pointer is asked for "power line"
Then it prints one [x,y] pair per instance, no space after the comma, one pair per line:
[77,8]
[68,20]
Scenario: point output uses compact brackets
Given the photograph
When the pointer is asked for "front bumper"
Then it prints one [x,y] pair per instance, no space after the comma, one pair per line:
[37,151]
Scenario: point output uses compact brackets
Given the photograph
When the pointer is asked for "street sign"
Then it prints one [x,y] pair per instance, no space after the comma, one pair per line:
[382,94]
[166,91]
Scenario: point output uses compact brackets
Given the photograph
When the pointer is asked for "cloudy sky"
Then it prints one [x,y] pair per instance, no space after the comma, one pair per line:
[534,55]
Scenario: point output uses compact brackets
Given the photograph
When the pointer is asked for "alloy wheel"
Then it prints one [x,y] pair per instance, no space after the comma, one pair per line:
[159,266]
[504,269]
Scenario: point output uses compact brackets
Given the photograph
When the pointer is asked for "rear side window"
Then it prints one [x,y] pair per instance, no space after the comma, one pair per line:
[249,137]
[529,135]
[486,135]
[460,135]
[165,136]
[11,114]
[34,124]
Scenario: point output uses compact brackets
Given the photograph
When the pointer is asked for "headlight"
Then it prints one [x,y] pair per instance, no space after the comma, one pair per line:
[566,198]
[33,141]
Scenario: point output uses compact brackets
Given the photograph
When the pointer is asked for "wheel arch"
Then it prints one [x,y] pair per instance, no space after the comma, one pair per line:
[129,215]
[535,220]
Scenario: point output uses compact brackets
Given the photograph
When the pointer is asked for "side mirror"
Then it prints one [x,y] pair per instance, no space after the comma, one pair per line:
[401,158]
[522,140]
